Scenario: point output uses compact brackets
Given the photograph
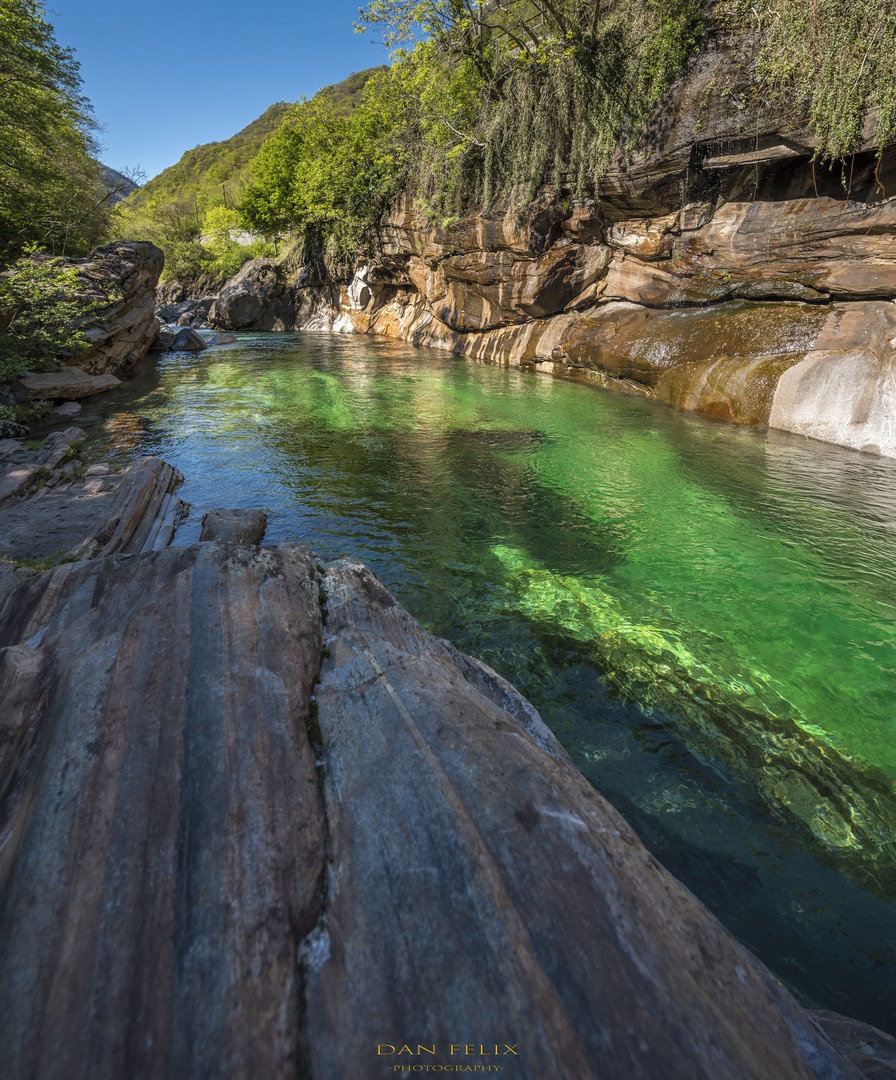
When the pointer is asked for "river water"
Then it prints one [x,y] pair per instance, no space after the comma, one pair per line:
[705,615]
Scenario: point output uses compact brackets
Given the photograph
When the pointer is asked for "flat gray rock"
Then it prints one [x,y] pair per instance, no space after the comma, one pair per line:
[68,383]
[235,526]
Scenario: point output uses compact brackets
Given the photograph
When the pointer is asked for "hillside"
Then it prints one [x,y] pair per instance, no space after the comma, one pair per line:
[207,173]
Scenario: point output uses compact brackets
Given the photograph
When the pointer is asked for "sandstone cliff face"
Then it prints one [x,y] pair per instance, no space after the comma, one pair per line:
[719,271]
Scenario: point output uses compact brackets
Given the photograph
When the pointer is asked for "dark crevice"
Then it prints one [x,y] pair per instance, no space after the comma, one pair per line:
[307,947]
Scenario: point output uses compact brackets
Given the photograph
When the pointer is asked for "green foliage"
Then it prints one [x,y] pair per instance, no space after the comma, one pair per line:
[205,174]
[218,172]
[171,209]
[52,191]
[495,96]
[41,315]
[326,172]
[839,56]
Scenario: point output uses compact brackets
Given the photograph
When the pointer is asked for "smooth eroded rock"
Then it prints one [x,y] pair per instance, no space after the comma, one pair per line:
[163,833]
[69,383]
[212,868]
[234,526]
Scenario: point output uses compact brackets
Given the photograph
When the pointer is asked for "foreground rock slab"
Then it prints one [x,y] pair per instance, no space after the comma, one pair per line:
[162,831]
[69,383]
[210,867]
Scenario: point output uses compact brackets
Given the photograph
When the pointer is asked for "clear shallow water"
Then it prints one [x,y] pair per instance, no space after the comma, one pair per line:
[705,615]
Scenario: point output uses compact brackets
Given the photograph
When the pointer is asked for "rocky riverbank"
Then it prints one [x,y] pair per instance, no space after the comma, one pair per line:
[719,269]
[257,822]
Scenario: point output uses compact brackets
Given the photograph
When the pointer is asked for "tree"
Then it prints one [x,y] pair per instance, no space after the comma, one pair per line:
[52,190]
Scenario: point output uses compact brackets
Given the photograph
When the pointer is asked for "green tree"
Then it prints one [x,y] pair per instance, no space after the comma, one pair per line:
[52,190]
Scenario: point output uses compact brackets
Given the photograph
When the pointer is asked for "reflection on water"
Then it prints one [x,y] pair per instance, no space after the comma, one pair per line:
[704,614]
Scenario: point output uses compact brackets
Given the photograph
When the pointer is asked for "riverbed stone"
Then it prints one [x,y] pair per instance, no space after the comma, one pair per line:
[188,340]
[71,382]
[234,526]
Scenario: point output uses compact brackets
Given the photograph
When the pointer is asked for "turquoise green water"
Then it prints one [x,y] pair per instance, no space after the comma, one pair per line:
[705,615]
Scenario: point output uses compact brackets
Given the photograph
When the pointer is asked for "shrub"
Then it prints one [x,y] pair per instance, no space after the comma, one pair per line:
[41,314]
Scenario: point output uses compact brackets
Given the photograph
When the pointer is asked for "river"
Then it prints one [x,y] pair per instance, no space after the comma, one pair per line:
[704,614]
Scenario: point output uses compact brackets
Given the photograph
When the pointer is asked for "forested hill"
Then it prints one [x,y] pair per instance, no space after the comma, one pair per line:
[209,172]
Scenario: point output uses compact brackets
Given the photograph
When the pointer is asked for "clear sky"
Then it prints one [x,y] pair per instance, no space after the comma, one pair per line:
[166,75]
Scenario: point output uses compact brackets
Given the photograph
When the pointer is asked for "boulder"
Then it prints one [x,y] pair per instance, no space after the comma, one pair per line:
[125,326]
[215,868]
[69,383]
[67,409]
[188,340]
[256,298]
[234,526]
[9,429]
[164,338]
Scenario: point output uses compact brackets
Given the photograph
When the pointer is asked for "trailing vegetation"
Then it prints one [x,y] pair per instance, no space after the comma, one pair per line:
[505,95]
[479,98]
[839,56]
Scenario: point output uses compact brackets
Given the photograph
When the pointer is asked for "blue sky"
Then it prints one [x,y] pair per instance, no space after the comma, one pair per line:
[168,75]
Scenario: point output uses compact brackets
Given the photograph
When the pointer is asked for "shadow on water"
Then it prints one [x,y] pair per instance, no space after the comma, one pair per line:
[704,615]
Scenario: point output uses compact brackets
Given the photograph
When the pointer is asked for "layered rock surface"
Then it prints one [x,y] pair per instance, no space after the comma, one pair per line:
[123,276]
[717,269]
[257,822]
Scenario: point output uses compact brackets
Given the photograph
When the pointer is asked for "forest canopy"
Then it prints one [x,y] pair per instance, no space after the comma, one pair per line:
[53,192]
[505,95]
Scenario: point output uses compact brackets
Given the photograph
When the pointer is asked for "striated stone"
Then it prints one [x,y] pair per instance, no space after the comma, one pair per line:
[143,513]
[213,868]
[125,327]
[163,834]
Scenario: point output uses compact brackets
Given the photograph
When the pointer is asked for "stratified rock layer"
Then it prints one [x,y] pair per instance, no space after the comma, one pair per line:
[123,275]
[718,269]
[205,872]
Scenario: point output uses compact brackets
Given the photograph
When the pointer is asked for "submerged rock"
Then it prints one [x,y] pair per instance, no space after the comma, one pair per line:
[214,867]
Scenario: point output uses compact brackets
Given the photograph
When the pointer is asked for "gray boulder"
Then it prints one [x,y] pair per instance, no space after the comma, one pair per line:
[234,526]
[187,340]
[256,298]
